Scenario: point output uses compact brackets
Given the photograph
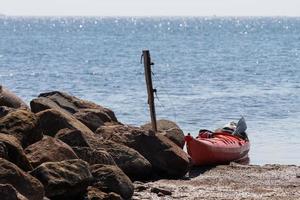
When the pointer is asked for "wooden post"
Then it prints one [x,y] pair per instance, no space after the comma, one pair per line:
[147,66]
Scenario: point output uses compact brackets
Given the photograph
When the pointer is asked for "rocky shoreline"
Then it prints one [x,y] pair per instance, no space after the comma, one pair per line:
[64,147]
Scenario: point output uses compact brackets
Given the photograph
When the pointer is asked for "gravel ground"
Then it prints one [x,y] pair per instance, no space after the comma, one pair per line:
[234,181]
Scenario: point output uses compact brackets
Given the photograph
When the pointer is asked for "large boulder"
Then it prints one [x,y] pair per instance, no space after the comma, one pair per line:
[14,152]
[169,129]
[94,156]
[9,99]
[24,183]
[22,124]
[166,158]
[89,113]
[8,192]
[64,180]
[94,118]
[73,104]
[133,164]
[110,178]
[49,150]
[53,100]
[43,103]
[51,121]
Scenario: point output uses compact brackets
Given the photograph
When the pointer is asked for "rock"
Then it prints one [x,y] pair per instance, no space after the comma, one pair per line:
[89,113]
[160,190]
[43,103]
[55,98]
[9,99]
[129,160]
[169,129]
[93,118]
[117,133]
[24,183]
[114,196]
[8,192]
[94,156]
[3,151]
[52,120]
[139,188]
[74,133]
[110,178]
[4,110]
[22,124]
[69,103]
[96,194]
[74,138]
[166,158]
[14,152]
[65,179]
[49,150]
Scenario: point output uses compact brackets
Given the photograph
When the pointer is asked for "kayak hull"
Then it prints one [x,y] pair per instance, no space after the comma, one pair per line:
[222,148]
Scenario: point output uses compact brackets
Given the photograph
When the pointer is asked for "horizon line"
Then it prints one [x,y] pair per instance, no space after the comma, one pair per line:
[158,16]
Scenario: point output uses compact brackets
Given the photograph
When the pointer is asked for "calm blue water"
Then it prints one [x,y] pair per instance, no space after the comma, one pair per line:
[207,71]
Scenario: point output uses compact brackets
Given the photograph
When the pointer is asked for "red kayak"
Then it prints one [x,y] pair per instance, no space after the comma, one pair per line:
[221,148]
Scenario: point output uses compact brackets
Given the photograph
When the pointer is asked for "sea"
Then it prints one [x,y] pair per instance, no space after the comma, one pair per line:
[207,71]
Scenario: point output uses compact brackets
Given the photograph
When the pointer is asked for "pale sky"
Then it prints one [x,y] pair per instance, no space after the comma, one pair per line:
[151,7]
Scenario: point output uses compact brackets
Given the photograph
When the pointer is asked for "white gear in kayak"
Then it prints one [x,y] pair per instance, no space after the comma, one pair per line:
[230,125]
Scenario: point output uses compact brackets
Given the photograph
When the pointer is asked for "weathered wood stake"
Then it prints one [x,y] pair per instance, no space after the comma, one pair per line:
[148,77]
